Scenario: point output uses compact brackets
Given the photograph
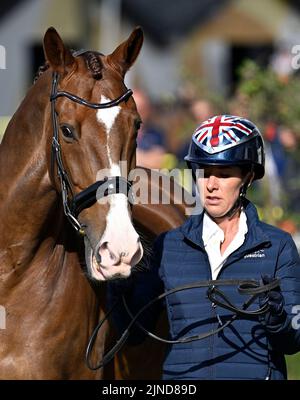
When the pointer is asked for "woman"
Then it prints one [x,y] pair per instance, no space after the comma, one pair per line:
[226,241]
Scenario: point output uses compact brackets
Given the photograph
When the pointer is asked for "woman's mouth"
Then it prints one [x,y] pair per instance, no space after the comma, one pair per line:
[213,200]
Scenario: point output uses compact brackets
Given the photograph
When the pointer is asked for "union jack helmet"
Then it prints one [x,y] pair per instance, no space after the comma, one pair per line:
[227,140]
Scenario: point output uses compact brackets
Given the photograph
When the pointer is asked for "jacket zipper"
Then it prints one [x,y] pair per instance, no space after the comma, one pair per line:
[212,371]
[226,264]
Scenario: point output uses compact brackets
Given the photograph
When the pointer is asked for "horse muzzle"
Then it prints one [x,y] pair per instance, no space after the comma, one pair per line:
[111,261]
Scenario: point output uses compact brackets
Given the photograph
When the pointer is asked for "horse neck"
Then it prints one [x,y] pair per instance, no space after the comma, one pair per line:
[26,196]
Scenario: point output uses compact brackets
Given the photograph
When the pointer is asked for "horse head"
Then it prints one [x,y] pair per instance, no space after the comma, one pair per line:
[93,128]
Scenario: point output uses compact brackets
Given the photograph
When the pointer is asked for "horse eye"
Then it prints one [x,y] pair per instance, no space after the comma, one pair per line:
[137,124]
[67,132]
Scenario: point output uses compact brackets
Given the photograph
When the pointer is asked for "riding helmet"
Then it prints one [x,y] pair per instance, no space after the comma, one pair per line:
[227,140]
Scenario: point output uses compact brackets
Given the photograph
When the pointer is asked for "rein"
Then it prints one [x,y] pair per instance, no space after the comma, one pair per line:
[245,287]
[89,196]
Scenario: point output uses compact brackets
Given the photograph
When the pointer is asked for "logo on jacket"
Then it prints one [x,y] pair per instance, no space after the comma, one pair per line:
[256,254]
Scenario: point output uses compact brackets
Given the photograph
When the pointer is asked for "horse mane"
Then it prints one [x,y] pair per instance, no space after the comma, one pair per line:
[92,61]
[40,71]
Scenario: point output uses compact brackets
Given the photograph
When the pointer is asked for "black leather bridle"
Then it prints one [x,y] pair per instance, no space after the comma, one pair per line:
[246,287]
[88,197]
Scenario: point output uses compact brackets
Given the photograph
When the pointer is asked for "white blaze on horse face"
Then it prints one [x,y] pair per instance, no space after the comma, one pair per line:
[120,247]
[107,117]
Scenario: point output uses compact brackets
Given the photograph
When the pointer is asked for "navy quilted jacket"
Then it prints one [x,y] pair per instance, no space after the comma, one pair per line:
[246,349]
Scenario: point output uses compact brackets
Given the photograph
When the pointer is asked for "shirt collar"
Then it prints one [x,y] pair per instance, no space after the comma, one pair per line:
[211,229]
[192,228]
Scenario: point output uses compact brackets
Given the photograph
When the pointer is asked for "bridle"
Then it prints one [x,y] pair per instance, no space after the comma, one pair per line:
[109,185]
[214,294]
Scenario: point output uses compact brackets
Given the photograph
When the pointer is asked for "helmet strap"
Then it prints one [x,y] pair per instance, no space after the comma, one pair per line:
[238,203]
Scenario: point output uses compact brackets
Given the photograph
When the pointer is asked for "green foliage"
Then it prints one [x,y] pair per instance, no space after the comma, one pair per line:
[289,105]
[269,98]
[259,88]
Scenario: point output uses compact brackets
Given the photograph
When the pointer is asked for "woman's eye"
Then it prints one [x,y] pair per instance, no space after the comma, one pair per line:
[67,132]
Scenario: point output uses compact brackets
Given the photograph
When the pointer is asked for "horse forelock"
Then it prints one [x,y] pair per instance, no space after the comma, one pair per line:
[93,63]
[41,70]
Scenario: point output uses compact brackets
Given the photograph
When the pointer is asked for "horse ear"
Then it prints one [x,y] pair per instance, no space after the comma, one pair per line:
[126,53]
[59,57]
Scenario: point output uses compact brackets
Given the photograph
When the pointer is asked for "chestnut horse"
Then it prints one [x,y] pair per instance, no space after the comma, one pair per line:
[58,245]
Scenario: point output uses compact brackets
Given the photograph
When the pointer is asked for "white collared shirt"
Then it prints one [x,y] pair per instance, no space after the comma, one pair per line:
[213,236]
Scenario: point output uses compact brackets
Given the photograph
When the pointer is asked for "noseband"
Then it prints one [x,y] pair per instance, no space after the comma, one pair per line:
[109,185]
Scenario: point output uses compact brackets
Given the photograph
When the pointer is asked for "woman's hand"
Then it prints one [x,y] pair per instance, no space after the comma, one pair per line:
[276,315]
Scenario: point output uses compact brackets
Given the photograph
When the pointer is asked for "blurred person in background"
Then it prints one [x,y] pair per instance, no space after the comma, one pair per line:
[151,141]
[283,150]
[200,110]
[282,61]
[290,173]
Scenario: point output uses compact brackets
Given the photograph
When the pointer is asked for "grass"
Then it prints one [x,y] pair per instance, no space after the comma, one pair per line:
[293,366]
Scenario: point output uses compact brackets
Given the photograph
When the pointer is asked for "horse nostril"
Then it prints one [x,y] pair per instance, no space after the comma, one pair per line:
[105,255]
[109,254]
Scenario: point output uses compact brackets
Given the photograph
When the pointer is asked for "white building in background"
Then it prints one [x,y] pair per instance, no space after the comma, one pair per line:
[23,27]
[2,57]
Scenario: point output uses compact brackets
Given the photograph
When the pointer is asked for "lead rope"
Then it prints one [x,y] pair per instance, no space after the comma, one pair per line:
[94,337]
[245,287]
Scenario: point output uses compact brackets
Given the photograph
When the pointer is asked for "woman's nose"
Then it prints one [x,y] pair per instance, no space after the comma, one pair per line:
[212,183]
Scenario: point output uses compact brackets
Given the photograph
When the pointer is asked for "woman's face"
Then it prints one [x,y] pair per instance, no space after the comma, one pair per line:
[219,188]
